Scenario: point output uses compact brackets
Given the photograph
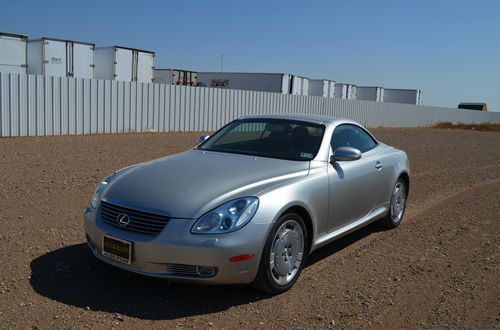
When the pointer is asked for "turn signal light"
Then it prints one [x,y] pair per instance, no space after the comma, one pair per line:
[242,257]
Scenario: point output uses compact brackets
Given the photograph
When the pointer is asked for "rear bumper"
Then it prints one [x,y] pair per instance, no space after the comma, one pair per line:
[175,253]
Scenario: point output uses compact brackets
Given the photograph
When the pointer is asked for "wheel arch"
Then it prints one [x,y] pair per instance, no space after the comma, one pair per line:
[307,222]
[406,178]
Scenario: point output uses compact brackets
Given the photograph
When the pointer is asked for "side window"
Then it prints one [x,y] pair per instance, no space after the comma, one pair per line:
[348,135]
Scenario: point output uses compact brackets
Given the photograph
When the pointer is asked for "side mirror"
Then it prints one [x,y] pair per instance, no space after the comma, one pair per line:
[345,154]
[202,138]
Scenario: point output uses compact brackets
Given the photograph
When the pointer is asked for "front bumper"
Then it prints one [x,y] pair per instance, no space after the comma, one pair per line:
[175,252]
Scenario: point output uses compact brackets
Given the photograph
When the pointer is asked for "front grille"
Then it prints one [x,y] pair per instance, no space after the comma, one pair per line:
[188,270]
[140,222]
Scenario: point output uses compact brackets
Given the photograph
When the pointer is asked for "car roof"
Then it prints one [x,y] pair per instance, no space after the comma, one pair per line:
[308,118]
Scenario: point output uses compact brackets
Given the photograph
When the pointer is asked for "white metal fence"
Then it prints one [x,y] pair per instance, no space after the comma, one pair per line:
[40,105]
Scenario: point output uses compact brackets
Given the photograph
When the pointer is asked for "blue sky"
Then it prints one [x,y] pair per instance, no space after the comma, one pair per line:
[449,49]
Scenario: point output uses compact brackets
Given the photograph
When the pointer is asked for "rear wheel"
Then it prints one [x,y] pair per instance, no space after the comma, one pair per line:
[398,205]
[284,255]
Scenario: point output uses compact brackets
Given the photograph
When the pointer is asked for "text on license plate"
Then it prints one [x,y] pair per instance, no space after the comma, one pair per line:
[116,249]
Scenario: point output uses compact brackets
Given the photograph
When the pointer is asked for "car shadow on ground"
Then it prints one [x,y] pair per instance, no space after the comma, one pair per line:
[343,242]
[73,276]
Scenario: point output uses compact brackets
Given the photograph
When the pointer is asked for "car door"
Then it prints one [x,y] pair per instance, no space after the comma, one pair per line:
[354,185]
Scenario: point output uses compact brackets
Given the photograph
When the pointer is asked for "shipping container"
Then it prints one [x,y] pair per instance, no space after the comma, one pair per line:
[345,91]
[370,93]
[124,64]
[283,83]
[407,96]
[176,77]
[13,53]
[321,87]
[64,58]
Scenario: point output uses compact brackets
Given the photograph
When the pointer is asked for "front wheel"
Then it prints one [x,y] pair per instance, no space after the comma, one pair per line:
[398,205]
[283,256]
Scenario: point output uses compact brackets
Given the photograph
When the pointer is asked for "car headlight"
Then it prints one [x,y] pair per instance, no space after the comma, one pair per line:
[100,188]
[228,217]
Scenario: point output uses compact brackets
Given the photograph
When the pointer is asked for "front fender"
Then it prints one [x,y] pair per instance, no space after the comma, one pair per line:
[310,193]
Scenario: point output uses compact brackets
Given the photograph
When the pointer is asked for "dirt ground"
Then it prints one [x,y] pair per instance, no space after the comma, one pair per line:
[438,270]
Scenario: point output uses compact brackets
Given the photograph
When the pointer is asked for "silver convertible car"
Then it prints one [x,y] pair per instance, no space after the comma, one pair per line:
[249,203]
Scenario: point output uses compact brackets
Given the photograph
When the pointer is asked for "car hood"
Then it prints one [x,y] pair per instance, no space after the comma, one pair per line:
[189,184]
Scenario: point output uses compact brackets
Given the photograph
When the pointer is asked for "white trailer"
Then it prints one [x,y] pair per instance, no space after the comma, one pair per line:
[64,58]
[321,87]
[345,91]
[299,85]
[176,77]
[264,82]
[282,83]
[296,85]
[305,86]
[370,93]
[341,90]
[331,88]
[353,92]
[13,53]
[407,96]
[124,64]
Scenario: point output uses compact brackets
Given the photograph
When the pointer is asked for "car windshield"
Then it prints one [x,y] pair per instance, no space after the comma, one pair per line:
[275,138]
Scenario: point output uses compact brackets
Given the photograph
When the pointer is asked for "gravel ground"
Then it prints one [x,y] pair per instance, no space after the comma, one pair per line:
[438,270]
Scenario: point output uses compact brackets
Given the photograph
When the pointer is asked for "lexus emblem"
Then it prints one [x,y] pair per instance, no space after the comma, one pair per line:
[123,219]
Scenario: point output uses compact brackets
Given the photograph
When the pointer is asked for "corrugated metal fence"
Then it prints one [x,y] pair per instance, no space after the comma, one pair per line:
[39,105]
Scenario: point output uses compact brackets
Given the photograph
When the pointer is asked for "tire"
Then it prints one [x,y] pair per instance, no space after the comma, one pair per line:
[398,205]
[284,255]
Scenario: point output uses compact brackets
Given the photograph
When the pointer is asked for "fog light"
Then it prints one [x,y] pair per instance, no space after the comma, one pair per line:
[205,271]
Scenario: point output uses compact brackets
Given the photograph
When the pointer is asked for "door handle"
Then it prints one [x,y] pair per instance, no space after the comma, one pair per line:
[378,165]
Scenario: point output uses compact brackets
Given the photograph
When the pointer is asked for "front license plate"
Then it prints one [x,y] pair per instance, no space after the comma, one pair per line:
[117,249]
